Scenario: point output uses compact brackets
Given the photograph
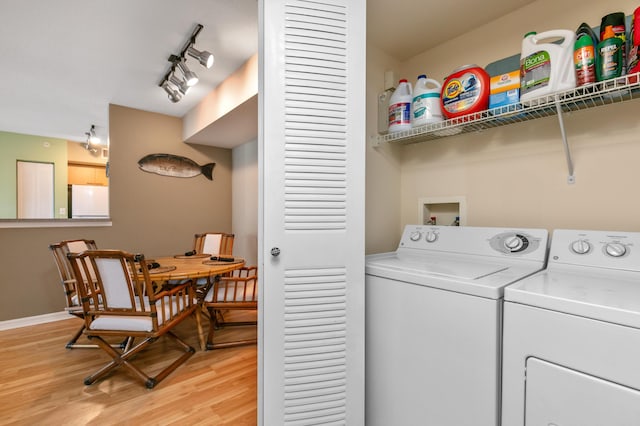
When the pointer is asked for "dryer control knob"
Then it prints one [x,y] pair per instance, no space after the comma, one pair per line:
[615,249]
[415,235]
[581,247]
[514,243]
[431,237]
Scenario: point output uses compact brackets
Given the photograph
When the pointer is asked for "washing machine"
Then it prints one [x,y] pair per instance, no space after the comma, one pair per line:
[571,353]
[433,323]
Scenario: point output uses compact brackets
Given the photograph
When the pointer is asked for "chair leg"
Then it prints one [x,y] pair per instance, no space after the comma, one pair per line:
[122,359]
[198,315]
[214,324]
[72,344]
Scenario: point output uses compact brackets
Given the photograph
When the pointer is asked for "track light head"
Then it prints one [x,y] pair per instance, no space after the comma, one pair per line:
[172,91]
[189,76]
[205,58]
[92,139]
[181,85]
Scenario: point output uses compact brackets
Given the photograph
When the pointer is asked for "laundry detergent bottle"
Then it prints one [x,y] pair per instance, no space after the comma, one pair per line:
[465,91]
[400,107]
[546,63]
[425,107]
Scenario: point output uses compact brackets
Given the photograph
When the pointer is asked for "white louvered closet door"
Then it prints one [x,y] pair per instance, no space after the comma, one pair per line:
[312,159]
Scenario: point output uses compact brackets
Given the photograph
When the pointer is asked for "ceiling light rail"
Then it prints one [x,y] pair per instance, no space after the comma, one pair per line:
[606,92]
[177,84]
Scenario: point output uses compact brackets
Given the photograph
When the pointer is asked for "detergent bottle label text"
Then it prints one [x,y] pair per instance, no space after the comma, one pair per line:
[461,94]
[535,71]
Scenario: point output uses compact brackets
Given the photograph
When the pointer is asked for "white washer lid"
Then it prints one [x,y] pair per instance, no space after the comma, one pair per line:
[606,295]
[473,275]
[443,265]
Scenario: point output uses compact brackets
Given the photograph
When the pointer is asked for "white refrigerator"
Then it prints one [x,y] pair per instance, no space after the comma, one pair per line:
[89,201]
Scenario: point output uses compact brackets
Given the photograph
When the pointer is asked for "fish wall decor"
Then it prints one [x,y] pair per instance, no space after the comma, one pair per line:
[175,166]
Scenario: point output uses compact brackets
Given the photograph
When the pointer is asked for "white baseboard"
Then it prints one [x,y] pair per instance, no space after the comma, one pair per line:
[38,319]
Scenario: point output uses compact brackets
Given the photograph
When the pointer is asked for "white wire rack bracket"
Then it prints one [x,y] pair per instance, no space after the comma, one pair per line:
[606,92]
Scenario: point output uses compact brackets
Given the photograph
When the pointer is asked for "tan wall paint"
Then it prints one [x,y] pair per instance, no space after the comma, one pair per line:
[383,166]
[245,201]
[152,214]
[516,176]
[236,89]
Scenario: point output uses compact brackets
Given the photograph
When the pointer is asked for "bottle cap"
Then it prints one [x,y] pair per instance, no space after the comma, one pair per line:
[608,33]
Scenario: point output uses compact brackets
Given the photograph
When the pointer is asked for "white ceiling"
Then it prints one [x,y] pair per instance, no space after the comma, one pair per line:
[65,61]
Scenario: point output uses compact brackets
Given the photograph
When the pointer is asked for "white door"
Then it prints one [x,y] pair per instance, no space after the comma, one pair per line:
[35,190]
[311,245]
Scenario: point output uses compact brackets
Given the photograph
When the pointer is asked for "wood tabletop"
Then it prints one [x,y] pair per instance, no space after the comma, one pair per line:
[187,267]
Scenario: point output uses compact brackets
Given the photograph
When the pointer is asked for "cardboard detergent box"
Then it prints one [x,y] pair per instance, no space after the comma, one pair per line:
[504,89]
[504,81]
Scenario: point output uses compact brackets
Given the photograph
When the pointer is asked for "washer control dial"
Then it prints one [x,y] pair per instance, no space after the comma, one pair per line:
[615,249]
[581,247]
[431,236]
[516,243]
[415,236]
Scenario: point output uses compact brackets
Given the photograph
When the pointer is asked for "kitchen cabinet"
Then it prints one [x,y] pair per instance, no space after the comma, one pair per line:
[601,93]
[87,174]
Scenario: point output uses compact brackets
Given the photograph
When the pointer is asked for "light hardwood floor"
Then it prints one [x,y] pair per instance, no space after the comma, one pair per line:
[41,382]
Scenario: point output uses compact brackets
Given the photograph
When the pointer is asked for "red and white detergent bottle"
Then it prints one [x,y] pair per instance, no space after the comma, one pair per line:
[465,91]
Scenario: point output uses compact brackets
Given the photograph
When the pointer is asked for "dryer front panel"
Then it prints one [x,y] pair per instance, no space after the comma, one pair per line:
[556,395]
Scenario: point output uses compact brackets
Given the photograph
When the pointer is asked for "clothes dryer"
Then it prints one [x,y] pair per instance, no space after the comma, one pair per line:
[433,323]
[572,335]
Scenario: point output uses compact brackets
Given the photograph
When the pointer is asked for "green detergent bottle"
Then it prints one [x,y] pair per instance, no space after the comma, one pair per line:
[584,55]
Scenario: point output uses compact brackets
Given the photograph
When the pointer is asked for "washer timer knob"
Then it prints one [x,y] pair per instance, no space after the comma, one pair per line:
[581,247]
[514,243]
[415,235]
[431,236]
[615,249]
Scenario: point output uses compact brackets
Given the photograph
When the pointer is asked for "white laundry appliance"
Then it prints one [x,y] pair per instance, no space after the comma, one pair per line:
[572,335]
[433,323]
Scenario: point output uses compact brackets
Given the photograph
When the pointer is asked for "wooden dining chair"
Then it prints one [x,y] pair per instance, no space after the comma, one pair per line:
[68,281]
[214,243]
[237,291]
[123,303]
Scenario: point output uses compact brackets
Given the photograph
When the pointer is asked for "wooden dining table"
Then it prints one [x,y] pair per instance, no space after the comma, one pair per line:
[179,268]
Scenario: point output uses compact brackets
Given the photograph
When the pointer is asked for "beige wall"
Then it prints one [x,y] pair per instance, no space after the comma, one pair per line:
[245,201]
[516,176]
[152,214]
[383,166]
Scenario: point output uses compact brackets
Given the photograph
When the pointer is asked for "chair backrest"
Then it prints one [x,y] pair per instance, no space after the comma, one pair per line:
[67,277]
[239,289]
[124,289]
[214,243]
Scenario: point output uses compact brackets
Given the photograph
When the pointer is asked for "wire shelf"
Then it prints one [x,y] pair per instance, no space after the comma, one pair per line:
[606,92]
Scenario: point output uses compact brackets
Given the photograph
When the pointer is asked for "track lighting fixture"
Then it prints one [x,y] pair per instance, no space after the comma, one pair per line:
[92,140]
[181,85]
[175,87]
[172,91]
[205,58]
[189,76]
